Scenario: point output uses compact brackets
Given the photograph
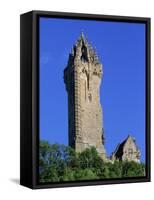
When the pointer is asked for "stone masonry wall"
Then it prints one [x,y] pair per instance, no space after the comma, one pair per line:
[83,77]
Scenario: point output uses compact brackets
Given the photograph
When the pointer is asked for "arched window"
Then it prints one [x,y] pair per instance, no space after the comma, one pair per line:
[90,97]
[130,153]
[84,54]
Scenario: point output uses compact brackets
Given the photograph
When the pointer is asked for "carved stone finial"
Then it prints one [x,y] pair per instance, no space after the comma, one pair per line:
[82,35]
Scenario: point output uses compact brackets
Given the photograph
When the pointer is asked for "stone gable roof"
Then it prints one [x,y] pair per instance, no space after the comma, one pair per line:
[119,151]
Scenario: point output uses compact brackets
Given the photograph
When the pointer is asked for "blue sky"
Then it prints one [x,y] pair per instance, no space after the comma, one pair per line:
[121,49]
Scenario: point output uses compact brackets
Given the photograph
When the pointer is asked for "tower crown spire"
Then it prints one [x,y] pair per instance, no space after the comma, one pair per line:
[83,51]
[82,39]
[82,35]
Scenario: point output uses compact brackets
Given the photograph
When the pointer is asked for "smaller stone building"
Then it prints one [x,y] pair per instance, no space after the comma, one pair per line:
[127,151]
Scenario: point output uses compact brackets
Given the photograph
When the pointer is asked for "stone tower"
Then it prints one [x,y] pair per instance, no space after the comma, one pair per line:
[82,77]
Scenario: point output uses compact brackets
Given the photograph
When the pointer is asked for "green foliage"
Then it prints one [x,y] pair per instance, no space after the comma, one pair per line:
[132,169]
[61,163]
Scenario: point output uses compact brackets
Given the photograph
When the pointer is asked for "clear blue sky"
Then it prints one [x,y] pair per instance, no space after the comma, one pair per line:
[121,48]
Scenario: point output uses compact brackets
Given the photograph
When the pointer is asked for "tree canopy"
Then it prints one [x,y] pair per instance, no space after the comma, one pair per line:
[61,163]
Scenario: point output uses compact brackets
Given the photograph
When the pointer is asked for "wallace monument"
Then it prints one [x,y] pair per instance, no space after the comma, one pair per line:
[83,76]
